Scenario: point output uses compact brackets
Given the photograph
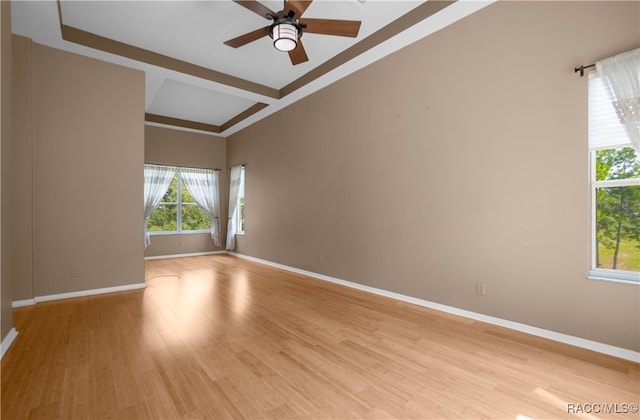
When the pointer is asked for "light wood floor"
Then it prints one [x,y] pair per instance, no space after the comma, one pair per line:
[221,337]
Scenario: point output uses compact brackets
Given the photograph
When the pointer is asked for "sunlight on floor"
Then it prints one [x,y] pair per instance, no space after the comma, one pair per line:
[185,299]
[241,297]
[562,404]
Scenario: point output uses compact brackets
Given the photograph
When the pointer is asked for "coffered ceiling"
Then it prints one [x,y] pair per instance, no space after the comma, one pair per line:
[195,82]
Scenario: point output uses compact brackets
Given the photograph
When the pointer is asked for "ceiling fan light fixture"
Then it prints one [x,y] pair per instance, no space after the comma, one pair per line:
[285,36]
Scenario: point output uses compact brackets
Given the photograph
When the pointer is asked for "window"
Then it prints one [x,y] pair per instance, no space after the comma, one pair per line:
[615,192]
[178,212]
[240,212]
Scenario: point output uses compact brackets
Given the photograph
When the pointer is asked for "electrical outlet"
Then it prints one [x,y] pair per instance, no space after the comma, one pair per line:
[319,259]
[481,289]
[74,272]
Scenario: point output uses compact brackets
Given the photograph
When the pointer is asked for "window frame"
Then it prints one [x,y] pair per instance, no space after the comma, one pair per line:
[178,204]
[604,134]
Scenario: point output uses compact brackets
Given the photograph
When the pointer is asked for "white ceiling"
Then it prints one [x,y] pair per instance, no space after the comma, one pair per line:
[193,33]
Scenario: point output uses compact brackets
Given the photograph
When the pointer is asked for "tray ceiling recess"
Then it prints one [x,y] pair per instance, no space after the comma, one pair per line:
[194,81]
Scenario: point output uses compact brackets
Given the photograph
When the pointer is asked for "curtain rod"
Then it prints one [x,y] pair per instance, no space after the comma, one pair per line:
[581,69]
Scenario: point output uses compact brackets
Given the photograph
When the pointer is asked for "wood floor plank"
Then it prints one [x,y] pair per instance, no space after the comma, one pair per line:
[221,337]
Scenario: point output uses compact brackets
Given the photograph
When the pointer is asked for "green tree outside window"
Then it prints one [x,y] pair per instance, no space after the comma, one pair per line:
[617,210]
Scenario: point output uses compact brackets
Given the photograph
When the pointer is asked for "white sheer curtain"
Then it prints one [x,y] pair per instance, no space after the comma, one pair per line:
[203,184]
[621,77]
[157,179]
[234,191]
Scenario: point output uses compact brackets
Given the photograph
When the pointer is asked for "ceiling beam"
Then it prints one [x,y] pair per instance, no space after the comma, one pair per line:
[243,115]
[91,40]
[178,122]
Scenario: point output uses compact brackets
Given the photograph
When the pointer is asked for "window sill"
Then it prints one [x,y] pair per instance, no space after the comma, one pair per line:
[615,276]
[188,232]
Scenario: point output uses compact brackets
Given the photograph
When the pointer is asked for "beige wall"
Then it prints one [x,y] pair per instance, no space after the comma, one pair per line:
[22,172]
[459,159]
[182,148]
[6,296]
[87,134]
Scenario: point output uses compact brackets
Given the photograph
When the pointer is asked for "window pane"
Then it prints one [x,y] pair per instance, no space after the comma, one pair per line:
[186,195]
[163,218]
[618,228]
[194,218]
[171,196]
[613,164]
[241,214]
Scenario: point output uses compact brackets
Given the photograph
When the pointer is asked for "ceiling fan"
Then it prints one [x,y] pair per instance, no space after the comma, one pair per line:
[288,26]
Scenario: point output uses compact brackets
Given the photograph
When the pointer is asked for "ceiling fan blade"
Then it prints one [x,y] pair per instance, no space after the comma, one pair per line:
[248,37]
[257,8]
[298,54]
[297,6]
[332,27]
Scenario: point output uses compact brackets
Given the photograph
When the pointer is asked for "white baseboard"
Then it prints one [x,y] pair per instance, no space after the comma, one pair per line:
[7,341]
[91,292]
[81,293]
[610,350]
[20,303]
[193,254]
